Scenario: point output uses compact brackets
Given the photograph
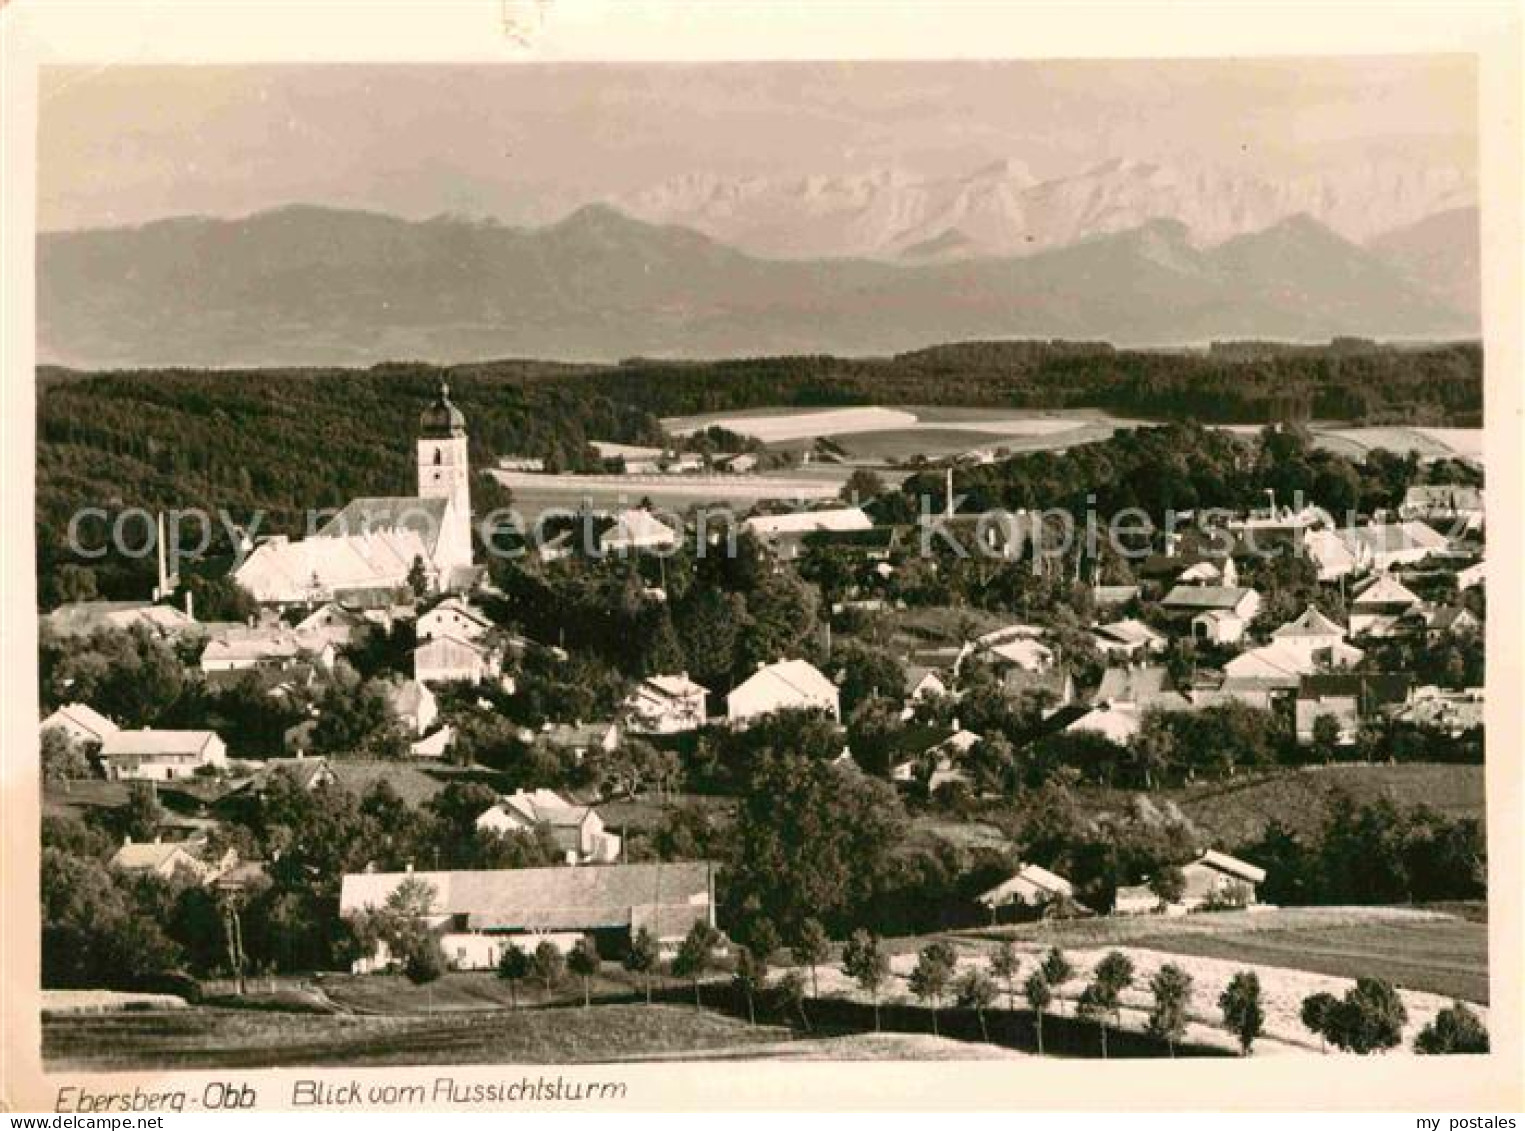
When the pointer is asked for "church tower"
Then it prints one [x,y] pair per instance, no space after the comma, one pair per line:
[444,472]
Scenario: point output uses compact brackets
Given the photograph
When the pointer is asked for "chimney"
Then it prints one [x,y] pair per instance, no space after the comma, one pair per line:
[190,605]
[948,504]
[408,867]
[163,590]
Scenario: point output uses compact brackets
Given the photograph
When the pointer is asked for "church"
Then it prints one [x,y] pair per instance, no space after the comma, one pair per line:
[366,554]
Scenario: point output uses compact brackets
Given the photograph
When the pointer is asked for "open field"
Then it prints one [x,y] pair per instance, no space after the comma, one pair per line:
[210,1037]
[1237,810]
[1445,958]
[874,433]
[535,493]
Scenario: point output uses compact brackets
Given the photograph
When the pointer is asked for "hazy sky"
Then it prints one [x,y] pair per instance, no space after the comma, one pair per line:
[526,143]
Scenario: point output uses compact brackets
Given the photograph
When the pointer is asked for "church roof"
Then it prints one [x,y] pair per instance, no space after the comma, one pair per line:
[424,517]
[442,419]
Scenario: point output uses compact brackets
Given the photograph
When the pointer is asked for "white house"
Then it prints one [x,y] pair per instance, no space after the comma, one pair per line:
[1030,888]
[164,860]
[1282,662]
[161,755]
[81,723]
[1311,630]
[1450,506]
[1213,879]
[1128,638]
[786,685]
[275,648]
[414,704]
[1378,546]
[332,623]
[1378,609]
[837,519]
[665,704]
[577,829]
[1219,613]
[636,530]
[446,659]
[453,617]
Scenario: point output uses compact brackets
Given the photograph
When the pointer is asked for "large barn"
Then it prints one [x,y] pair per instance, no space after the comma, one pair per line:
[477,915]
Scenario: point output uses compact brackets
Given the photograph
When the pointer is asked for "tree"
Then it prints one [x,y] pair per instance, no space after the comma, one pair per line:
[696,954]
[63,759]
[862,485]
[976,990]
[864,961]
[751,978]
[418,579]
[1326,737]
[1094,1005]
[1455,1029]
[811,948]
[643,958]
[550,965]
[514,967]
[1168,884]
[791,996]
[583,961]
[1171,987]
[1242,1011]
[1369,1018]
[1056,970]
[1005,965]
[931,975]
[142,813]
[1316,1014]
[424,963]
[1039,997]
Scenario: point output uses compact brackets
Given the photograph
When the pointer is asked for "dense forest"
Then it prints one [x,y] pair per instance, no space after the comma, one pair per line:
[280,441]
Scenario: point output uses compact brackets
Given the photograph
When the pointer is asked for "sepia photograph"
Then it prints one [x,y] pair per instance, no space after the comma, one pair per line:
[557,563]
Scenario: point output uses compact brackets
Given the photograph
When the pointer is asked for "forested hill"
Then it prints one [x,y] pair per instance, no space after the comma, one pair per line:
[280,441]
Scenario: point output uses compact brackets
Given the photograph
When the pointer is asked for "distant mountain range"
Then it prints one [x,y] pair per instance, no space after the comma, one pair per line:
[1003,209]
[306,285]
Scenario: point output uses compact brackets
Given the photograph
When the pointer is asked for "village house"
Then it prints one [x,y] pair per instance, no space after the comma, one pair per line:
[1280,664]
[1450,507]
[1452,713]
[1031,891]
[1377,547]
[1381,607]
[939,762]
[414,704]
[1212,880]
[578,830]
[1350,698]
[665,704]
[83,724]
[448,659]
[162,860]
[789,685]
[921,683]
[435,745]
[1217,614]
[578,739]
[1108,599]
[1128,639]
[81,618]
[161,755]
[477,915]
[453,617]
[1165,571]
[264,649]
[334,624]
[635,530]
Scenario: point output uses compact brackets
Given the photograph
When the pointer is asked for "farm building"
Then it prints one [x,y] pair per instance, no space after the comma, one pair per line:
[162,860]
[636,530]
[81,723]
[1031,888]
[477,915]
[448,659]
[1128,638]
[784,686]
[1213,879]
[161,755]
